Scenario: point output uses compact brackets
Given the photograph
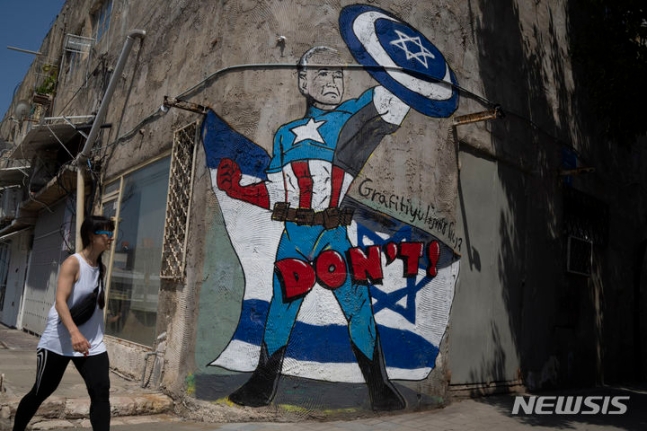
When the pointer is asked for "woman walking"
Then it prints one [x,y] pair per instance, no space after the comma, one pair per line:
[74,330]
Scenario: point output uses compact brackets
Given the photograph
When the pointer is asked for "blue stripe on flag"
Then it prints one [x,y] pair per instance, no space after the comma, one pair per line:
[331,343]
[221,141]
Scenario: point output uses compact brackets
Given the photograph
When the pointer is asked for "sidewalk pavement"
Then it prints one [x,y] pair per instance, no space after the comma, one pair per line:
[138,409]
[70,401]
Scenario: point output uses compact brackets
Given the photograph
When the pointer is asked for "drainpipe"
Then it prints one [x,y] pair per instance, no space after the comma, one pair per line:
[94,131]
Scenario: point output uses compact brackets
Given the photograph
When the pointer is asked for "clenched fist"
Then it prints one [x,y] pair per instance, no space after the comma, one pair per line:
[228,176]
[228,180]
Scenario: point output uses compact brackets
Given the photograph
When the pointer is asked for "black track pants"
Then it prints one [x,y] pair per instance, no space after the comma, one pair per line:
[49,372]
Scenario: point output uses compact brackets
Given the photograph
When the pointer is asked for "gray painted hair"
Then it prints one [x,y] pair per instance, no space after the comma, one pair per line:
[305,58]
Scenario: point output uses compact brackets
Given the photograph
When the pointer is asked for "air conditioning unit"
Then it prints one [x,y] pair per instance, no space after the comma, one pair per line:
[76,43]
[579,259]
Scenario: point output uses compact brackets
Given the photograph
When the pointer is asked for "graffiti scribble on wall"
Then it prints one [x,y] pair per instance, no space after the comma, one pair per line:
[334,290]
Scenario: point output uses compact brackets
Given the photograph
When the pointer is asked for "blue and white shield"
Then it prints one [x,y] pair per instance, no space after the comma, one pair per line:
[401,59]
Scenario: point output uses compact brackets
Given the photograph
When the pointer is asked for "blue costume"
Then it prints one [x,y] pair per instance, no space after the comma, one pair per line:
[314,162]
[306,242]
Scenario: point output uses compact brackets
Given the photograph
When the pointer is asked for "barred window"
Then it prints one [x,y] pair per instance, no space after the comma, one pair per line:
[586,217]
[179,203]
[101,19]
[586,223]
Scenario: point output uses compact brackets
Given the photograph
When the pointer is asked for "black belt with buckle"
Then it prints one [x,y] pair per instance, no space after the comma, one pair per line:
[328,218]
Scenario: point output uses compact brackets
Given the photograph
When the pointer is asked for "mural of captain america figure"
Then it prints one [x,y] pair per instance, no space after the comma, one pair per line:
[334,290]
[314,162]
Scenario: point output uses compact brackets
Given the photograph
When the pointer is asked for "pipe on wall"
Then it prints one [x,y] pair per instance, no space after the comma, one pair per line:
[94,131]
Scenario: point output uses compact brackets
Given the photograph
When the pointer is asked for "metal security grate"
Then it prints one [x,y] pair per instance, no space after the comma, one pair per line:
[586,217]
[180,189]
[579,256]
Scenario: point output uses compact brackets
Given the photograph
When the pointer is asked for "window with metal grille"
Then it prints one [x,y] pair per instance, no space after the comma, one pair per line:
[579,257]
[77,50]
[585,217]
[180,189]
[101,19]
[586,222]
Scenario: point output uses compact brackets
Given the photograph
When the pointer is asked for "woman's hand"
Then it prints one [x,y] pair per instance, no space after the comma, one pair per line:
[80,344]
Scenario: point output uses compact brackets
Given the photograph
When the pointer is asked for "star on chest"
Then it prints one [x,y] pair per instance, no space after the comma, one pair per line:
[308,131]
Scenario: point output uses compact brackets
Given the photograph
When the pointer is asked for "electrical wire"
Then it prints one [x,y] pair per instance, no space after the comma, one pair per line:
[288,66]
[208,81]
[262,66]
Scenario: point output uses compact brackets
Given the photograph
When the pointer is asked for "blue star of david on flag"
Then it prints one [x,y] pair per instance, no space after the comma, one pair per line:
[412,285]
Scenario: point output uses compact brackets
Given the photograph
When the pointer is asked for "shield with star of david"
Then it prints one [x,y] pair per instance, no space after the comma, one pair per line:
[400,58]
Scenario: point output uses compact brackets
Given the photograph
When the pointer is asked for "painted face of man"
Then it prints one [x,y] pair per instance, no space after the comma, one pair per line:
[323,85]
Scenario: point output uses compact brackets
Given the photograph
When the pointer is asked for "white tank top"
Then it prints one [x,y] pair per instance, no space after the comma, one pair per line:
[56,337]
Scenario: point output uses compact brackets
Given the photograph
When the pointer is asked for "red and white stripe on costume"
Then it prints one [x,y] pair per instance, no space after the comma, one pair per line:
[314,184]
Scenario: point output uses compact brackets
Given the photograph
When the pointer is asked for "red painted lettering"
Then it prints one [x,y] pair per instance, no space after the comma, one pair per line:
[365,267]
[433,253]
[410,253]
[331,269]
[296,277]
[391,251]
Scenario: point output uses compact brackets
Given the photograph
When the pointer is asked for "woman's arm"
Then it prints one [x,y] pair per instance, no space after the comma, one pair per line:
[67,276]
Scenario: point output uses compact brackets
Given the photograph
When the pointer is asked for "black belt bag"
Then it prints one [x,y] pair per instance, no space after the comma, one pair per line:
[85,308]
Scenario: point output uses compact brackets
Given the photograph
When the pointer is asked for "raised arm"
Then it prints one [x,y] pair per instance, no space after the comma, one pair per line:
[228,180]
[391,109]
[377,113]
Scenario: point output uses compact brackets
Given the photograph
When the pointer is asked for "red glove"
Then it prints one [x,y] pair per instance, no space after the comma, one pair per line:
[228,179]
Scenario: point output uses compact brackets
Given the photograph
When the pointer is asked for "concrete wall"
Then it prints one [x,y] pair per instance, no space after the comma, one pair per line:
[492,195]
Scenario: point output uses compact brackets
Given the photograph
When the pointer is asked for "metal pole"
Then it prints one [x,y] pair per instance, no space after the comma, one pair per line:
[94,131]
[119,68]
[491,114]
[80,205]
[26,51]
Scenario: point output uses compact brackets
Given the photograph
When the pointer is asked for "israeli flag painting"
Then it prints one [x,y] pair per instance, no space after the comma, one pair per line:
[411,303]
